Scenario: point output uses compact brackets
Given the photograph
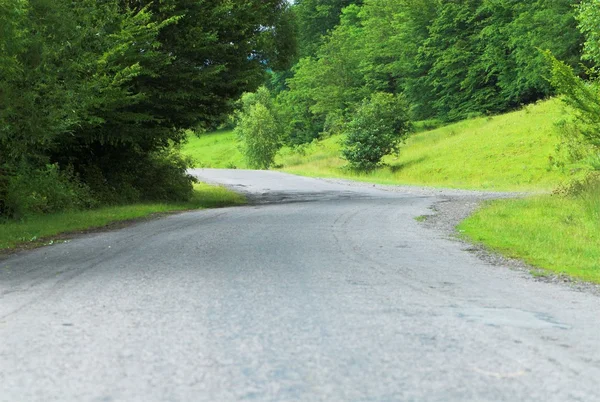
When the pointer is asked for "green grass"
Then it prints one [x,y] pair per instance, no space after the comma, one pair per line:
[40,230]
[505,152]
[214,150]
[559,234]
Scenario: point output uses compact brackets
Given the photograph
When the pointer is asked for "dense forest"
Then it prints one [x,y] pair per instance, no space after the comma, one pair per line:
[96,96]
[450,59]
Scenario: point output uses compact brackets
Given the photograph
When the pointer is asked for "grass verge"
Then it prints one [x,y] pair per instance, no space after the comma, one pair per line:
[555,233]
[46,229]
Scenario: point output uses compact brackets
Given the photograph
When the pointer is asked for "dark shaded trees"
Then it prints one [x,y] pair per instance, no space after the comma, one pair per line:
[104,89]
[486,55]
[315,18]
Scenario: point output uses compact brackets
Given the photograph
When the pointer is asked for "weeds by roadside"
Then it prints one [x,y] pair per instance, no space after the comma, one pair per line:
[42,230]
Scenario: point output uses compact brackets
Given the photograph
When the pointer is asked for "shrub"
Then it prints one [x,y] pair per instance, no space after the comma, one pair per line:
[164,177]
[379,127]
[259,136]
[589,184]
[126,175]
[258,129]
[30,191]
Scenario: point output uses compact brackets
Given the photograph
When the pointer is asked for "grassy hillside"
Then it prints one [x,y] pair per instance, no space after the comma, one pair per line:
[506,152]
[214,150]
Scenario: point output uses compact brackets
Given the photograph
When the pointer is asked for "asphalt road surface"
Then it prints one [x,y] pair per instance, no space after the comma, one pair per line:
[319,291]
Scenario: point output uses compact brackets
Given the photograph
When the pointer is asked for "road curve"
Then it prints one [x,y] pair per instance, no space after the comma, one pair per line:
[318,291]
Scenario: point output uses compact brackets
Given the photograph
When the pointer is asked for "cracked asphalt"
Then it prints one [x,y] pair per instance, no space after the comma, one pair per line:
[317,291]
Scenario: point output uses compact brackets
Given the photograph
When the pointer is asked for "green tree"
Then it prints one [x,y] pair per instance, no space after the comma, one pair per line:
[484,55]
[258,129]
[513,36]
[582,137]
[74,100]
[326,89]
[450,59]
[315,18]
[394,31]
[589,19]
[380,125]
[215,52]
[460,82]
[296,103]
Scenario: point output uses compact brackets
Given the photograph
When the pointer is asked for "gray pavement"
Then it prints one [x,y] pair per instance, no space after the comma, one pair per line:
[319,291]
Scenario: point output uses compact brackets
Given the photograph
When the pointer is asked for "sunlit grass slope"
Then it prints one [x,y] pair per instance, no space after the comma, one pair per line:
[214,150]
[40,230]
[506,152]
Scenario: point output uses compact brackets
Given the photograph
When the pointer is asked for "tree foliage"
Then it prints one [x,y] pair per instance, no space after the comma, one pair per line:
[104,89]
[315,18]
[582,137]
[378,128]
[448,59]
[451,59]
[258,129]
[486,55]
[325,89]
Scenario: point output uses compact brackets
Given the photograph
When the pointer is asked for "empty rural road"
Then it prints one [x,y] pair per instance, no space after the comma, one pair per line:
[319,291]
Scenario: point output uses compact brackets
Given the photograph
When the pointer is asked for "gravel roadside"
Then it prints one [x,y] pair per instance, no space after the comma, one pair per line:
[455,205]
